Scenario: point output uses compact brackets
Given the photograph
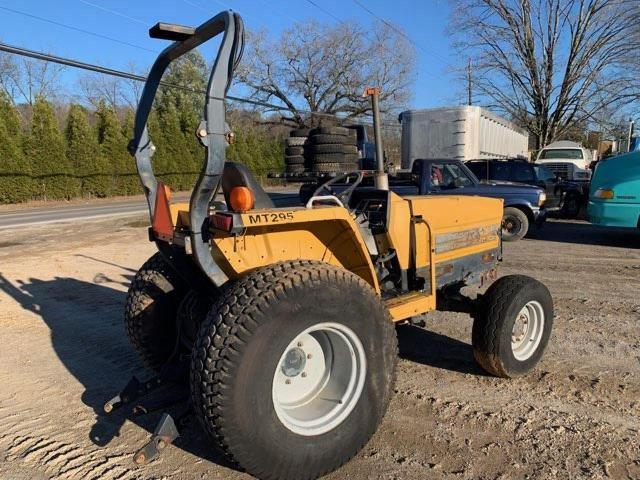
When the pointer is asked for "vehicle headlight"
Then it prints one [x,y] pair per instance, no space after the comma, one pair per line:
[542,197]
[583,175]
[604,194]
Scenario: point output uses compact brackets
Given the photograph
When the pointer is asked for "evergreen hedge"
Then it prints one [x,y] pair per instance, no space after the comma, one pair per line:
[89,157]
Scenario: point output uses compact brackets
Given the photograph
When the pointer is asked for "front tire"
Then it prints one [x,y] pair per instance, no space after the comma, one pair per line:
[512,326]
[293,369]
[515,224]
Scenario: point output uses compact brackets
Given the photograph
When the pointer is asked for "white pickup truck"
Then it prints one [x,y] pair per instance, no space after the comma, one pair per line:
[568,160]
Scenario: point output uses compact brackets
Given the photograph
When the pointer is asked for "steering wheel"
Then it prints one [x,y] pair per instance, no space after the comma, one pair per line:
[345,195]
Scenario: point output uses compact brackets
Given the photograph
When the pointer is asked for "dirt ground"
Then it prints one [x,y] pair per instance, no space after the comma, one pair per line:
[63,352]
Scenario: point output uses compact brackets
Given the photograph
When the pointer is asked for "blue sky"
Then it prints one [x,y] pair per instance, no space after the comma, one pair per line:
[128,21]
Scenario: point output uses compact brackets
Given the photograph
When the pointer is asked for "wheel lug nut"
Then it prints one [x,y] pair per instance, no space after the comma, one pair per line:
[304,374]
[299,344]
[309,355]
[287,381]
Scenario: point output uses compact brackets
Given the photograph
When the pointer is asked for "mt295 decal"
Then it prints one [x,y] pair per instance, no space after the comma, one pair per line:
[270,217]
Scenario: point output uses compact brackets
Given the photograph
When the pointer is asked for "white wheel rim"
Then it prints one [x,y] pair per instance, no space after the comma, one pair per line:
[319,379]
[527,330]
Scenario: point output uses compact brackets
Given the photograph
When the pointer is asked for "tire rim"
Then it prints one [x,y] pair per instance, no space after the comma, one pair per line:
[511,225]
[319,379]
[527,330]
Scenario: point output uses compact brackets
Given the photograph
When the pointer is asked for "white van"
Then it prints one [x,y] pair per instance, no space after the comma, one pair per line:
[568,160]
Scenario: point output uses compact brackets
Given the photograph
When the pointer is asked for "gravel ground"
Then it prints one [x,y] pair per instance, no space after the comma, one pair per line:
[64,351]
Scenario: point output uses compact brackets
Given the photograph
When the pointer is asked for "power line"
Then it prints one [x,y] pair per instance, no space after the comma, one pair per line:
[400,32]
[195,5]
[118,73]
[113,12]
[322,9]
[46,57]
[86,32]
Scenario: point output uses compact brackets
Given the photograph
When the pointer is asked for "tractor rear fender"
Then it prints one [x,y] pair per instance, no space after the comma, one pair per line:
[264,237]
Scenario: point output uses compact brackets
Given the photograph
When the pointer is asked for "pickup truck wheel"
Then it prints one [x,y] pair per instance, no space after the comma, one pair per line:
[289,378]
[571,206]
[512,326]
[515,224]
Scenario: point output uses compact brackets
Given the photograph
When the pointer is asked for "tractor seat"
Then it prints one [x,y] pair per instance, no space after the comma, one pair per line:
[238,175]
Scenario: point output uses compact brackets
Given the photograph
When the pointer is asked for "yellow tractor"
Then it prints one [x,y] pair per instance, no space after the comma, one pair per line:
[278,323]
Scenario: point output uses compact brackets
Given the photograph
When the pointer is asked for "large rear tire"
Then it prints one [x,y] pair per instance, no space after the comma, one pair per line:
[151,308]
[512,326]
[293,369]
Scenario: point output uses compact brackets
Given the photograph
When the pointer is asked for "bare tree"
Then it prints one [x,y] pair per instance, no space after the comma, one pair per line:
[24,79]
[548,64]
[318,68]
[114,91]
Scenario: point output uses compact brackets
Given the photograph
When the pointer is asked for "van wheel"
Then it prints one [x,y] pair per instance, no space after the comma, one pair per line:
[287,377]
[515,224]
[512,326]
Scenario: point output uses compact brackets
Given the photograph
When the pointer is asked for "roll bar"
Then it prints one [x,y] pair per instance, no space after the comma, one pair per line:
[211,131]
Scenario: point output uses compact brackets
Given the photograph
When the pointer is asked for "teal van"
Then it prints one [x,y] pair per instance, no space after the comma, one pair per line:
[614,195]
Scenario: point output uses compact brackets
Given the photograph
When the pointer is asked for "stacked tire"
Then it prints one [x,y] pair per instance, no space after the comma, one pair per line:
[331,149]
[294,159]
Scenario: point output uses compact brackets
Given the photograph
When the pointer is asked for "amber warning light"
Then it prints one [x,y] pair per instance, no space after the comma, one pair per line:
[241,199]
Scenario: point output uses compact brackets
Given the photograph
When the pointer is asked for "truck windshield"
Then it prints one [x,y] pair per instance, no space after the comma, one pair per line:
[568,153]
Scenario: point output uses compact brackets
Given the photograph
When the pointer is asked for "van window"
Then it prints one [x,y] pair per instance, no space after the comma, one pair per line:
[568,153]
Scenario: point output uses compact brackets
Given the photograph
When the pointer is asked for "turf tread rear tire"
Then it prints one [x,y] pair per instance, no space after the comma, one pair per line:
[225,334]
[151,327]
[489,320]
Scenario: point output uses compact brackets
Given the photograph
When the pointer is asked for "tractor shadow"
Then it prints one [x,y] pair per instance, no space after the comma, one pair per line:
[436,350]
[88,336]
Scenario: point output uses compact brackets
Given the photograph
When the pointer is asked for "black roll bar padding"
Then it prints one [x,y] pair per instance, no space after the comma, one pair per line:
[170,31]
[142,148]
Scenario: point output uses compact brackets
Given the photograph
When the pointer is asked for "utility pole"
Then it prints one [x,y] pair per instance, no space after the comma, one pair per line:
[469,81]
[630,134]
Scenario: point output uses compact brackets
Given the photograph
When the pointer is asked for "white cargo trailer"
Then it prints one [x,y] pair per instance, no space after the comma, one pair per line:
[464,133]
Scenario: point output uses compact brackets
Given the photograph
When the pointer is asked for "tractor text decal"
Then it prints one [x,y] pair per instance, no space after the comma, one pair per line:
[446,242]
[270,217]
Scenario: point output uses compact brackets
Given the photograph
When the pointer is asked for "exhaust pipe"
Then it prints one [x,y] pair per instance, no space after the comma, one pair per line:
[381,179]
